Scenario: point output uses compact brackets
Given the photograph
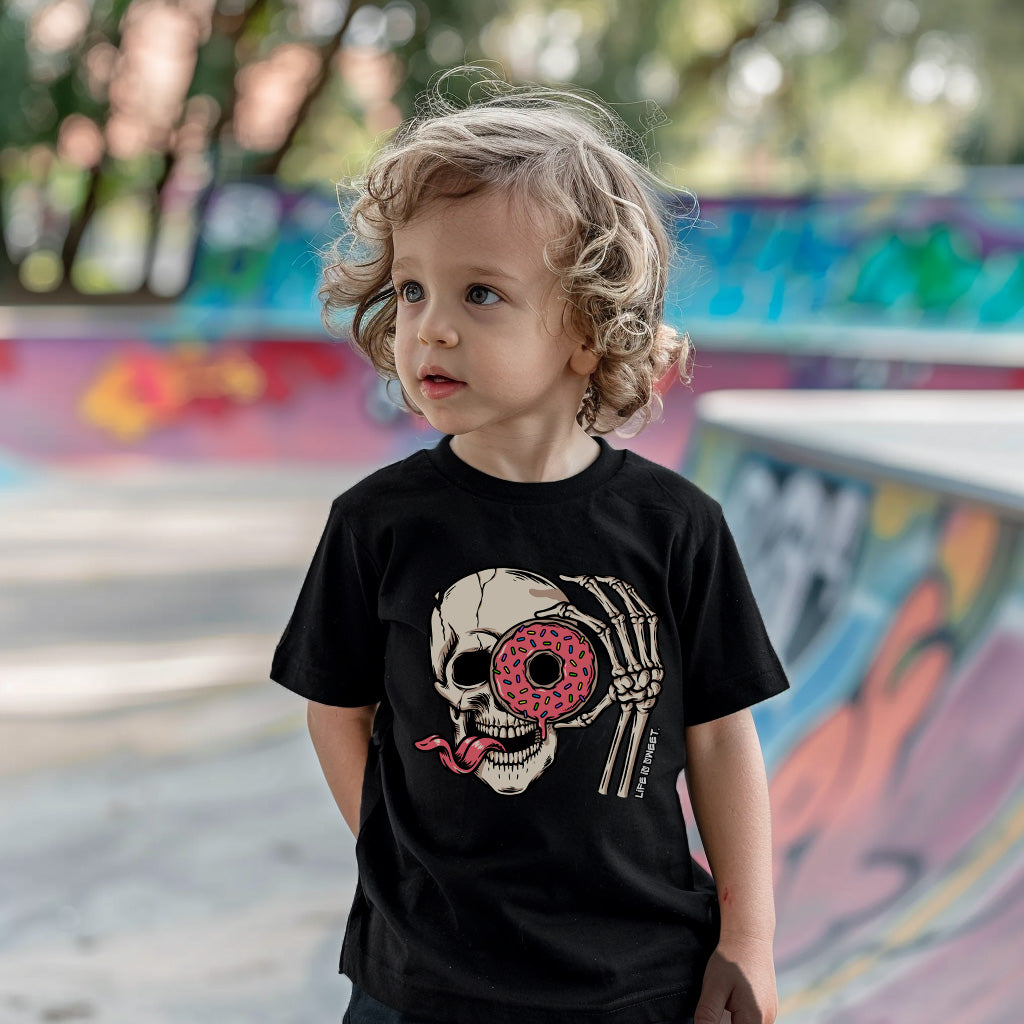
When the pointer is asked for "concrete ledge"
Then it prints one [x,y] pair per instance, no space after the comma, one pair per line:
[968,444]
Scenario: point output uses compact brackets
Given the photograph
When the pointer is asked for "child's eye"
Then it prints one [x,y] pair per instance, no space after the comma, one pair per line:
[481,296]
[410,291]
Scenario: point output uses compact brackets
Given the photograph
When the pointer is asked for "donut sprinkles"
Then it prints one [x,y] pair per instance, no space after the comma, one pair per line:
[572,670]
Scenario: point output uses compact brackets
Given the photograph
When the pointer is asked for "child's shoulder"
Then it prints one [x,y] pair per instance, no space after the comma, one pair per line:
[391,486]
[653,485]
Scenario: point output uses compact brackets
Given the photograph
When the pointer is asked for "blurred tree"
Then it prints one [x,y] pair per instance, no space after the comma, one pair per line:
[128,111]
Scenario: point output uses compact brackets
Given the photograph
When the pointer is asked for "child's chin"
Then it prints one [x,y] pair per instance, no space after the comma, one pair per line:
[448,424]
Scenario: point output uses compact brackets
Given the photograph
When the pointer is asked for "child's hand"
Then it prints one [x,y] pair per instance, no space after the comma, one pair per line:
[740,978]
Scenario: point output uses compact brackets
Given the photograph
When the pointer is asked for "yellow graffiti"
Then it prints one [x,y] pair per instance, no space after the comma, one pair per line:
[144,389]
[968,546]
[894,508]
[712,457]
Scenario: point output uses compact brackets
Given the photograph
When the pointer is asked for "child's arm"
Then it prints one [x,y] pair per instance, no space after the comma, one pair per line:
[341,738]
[729,792]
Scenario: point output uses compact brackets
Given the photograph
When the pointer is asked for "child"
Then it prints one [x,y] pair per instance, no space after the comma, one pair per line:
[514,641]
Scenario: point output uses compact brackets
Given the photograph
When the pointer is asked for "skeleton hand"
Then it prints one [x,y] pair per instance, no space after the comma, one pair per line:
[636,684]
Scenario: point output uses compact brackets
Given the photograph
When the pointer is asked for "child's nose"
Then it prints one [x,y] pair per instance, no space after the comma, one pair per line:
[436,327]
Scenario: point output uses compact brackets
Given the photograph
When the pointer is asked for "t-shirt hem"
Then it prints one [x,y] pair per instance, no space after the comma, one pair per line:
[429,1004]
[307,681]
[777,683]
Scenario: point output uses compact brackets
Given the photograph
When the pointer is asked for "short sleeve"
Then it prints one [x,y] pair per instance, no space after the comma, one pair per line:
[729,662]
[332,650]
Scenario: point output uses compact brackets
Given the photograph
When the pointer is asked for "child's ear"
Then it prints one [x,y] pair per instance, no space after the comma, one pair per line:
[584,359]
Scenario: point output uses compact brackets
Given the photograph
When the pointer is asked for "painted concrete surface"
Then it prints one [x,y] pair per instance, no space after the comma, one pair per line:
[896,761]
[236,397]
[964,442]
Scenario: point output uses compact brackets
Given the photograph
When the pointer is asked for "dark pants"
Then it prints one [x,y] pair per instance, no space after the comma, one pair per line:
[364,1009]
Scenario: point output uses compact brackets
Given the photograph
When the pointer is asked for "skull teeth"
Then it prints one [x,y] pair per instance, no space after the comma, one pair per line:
[517,758]
[504,732]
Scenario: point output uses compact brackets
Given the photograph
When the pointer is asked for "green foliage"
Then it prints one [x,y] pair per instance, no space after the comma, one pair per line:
[725,94]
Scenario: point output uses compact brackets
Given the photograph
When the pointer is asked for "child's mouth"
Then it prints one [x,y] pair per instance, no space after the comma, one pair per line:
[440,387]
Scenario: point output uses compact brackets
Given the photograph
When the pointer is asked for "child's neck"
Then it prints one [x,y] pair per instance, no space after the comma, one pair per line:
[528,462]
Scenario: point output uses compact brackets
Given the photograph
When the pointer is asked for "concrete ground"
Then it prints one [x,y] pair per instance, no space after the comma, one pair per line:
[169,851]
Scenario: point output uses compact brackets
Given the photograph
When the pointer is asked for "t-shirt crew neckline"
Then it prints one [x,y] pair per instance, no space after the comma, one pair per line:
[608,462]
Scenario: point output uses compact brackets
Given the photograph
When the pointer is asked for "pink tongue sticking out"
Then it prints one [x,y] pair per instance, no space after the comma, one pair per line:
[466,756]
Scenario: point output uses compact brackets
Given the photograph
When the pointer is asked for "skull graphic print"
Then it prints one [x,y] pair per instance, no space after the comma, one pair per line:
[516,660]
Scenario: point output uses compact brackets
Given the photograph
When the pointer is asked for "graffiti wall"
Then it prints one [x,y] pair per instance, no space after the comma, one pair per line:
[234,398]
[899,260]
[896,762]
[240,366]
[945,261]
[886,259]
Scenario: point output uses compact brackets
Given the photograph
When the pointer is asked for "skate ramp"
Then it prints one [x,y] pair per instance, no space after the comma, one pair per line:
[882,536]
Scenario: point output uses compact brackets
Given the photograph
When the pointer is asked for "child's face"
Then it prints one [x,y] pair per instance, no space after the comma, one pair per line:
[477,303]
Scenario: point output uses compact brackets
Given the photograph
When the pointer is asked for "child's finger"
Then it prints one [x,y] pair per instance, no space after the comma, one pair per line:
[713,996]
[709,1010]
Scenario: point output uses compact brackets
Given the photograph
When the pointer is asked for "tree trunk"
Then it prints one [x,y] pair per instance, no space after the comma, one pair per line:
[9,286]
[327,53]
[76,229]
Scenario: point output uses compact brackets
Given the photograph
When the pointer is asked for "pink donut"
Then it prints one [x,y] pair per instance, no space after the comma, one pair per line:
[543,669]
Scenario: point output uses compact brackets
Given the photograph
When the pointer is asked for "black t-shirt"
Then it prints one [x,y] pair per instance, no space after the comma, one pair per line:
[537,650]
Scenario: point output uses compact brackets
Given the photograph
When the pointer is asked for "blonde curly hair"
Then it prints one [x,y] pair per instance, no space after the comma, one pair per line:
[553,149]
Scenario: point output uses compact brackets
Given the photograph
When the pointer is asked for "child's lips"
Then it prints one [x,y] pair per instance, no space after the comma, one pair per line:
[428,370]
[440,388]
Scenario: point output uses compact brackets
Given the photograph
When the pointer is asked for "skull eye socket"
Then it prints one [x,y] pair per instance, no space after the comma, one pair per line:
[544,669]
[470,668]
